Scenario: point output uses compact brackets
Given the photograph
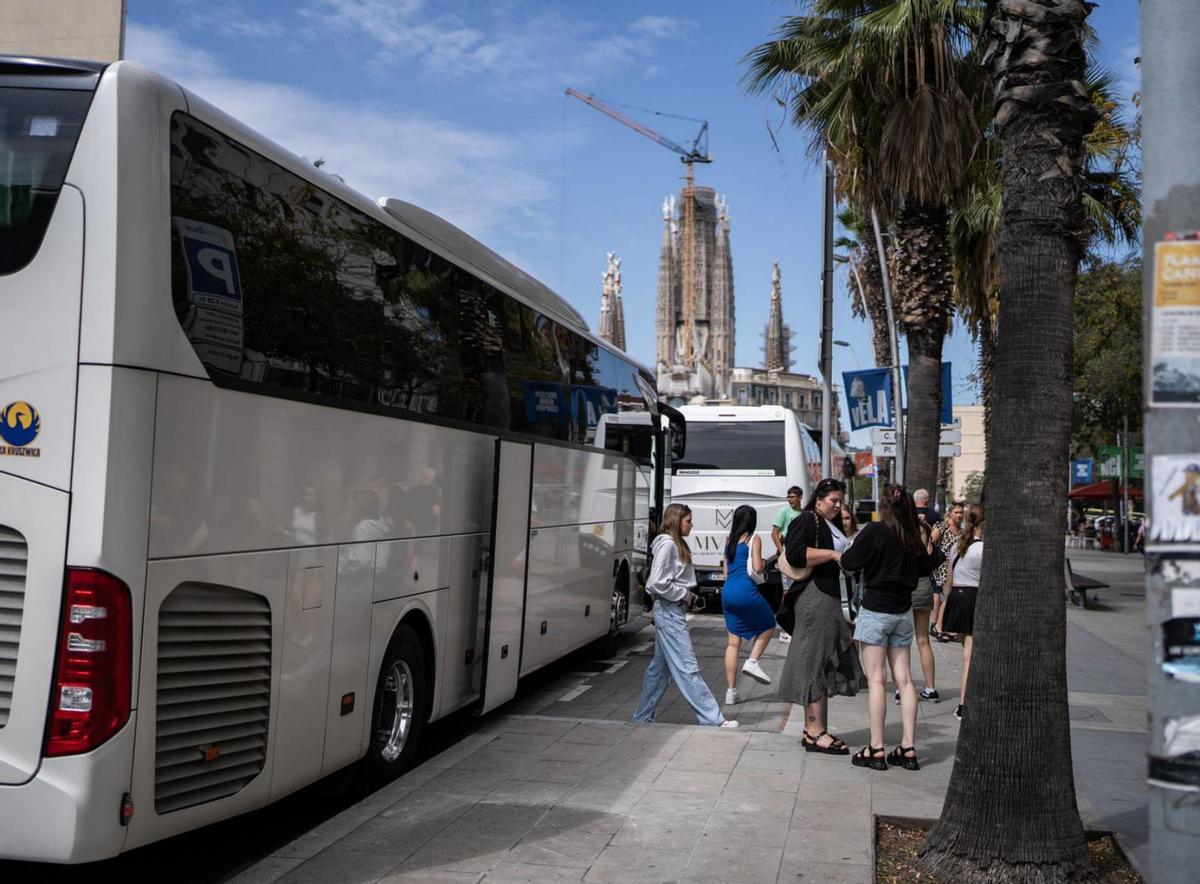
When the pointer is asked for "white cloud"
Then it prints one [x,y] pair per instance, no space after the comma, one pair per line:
[502,49]
[482,181]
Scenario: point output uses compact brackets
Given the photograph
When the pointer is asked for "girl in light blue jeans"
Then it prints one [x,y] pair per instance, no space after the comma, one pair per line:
[670,583]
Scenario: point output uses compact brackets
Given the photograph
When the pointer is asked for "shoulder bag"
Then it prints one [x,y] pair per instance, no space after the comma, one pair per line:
[786,615]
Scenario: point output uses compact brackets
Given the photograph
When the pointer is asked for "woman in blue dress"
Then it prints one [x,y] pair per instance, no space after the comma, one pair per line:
[747,614]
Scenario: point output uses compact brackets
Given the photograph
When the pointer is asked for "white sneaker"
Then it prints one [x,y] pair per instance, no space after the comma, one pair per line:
[732,697]
[784,638]
[729,723]
[752,669]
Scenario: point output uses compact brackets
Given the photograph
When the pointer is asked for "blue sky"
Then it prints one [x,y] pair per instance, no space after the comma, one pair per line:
[458,106]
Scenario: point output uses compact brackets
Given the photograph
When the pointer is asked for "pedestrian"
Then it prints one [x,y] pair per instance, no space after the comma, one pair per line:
[821,659]
[945,535]
[922,609]
[747,614]
[927,514]
[962,584]
[852,581]
[779,529]
[670,583]
[892,554]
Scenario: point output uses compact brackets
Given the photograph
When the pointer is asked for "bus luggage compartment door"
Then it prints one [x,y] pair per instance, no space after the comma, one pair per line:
[506,573]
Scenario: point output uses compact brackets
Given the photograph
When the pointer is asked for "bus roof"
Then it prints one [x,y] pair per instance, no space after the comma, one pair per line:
[700,413]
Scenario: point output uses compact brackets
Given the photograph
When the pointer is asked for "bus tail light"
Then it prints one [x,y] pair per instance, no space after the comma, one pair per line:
[90,699]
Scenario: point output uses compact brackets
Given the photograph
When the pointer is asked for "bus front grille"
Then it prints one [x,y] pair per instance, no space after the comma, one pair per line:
[214,694]
[14,555]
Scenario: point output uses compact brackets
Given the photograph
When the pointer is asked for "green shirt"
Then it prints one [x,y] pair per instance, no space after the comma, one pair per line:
[784,519]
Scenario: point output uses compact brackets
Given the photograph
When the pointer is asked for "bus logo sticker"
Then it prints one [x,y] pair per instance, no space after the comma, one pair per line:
[20,424]
[724,517]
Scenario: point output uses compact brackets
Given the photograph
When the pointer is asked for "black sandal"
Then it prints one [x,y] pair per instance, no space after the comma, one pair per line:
[835,747]
[900,757]
[870,756]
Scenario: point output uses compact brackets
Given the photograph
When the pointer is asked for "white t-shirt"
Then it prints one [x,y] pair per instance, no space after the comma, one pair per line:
[840,541]
[966,569]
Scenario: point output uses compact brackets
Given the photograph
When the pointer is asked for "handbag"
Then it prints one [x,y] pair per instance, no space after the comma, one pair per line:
[755,578]
[786,615]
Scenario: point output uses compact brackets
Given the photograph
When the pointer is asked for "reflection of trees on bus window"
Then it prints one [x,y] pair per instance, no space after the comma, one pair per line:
[341,308]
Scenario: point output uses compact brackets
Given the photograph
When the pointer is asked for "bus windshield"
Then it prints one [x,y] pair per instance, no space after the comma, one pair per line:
[732,448]
[38,130]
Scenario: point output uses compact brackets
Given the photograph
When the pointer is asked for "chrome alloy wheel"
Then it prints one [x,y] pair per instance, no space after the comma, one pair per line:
[395,720]
[620,610]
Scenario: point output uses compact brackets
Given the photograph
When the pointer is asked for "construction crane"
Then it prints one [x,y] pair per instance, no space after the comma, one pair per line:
[696,153]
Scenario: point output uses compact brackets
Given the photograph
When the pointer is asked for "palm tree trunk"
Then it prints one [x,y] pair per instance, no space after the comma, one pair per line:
[1010,812]
[925,291]
[873,301]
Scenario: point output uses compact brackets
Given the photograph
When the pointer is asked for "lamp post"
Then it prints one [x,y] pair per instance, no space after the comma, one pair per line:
[827,327]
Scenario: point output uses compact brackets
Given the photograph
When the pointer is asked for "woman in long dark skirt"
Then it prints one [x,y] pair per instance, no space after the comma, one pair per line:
[821,661]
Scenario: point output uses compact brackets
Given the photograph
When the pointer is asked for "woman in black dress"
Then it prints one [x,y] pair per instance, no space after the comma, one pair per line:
[821,660]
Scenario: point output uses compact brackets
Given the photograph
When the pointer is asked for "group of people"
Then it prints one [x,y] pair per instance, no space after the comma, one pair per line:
[909,576]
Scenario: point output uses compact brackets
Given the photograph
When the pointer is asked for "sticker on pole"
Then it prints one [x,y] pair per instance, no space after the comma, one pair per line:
[1175,329]
[1175,486]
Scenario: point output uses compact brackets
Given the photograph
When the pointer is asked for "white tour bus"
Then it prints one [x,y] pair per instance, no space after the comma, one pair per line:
[284,473]
[740,454]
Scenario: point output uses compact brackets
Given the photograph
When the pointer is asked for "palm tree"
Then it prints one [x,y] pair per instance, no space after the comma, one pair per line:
[866,280]
[885,87]
[1010,812]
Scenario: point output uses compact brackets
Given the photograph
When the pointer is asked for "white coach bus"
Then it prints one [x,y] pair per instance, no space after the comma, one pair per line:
[284,473]
[738,455]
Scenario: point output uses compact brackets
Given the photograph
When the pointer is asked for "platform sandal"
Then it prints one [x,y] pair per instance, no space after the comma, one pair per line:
[900,757]
[835,747]
[870,756]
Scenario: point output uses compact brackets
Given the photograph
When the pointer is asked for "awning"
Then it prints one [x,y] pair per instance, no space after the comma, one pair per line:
[1103,491]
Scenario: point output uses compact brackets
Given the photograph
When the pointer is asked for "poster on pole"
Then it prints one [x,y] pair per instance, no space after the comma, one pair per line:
[1176,500]
[946,415]
[869,397]
[1175,324]
[1081,471]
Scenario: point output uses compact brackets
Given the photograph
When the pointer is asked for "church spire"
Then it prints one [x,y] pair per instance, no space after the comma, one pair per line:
[612,310]
[776,336]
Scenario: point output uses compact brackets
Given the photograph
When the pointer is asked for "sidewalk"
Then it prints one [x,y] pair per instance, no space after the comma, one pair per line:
[562,788]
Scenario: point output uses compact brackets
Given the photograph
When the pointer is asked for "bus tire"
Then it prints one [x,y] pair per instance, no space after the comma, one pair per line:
[618,615]
[399,711]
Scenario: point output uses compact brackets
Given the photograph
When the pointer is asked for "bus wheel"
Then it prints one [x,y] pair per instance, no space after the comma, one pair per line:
[618,616]
[398,717]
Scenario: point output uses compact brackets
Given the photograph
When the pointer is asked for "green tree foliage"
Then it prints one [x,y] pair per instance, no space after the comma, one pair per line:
[972,492]
[1108,350]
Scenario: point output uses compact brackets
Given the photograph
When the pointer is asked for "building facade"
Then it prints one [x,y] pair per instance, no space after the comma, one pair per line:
[973,458]
[800,393]
[87,30]
[695,316]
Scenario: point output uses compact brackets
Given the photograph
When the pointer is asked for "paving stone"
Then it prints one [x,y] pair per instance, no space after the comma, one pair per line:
[343,864]
[429,876]
[267,871]
[719,862]
[706,782]
[830,846]
[566,848]
[597,734]
[590,753]
[826,873]
[759,829]
[456,851]
[509,872]
[772,760]
[469,783]
[529,792]
[635,865]
[764,803]
[606,797]
[570,772]
[764,781]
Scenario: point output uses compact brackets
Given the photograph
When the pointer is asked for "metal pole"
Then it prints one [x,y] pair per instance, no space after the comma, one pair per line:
[827,329]
[897,378]
[1125,487]
[1171,197]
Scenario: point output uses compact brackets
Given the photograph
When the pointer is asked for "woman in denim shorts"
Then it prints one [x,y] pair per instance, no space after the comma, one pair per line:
[893,554]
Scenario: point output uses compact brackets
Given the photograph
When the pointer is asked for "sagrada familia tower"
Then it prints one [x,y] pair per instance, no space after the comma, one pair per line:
[695,319]
[777,336]
[612,309]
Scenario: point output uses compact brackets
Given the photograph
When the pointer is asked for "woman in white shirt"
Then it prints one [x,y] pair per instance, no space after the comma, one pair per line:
[962,583]
[670,583]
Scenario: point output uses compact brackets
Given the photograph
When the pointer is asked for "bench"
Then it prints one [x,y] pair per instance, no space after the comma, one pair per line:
[1081,590]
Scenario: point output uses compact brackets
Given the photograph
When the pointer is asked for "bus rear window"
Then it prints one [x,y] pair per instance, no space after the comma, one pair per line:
[38,131]
[751,448]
